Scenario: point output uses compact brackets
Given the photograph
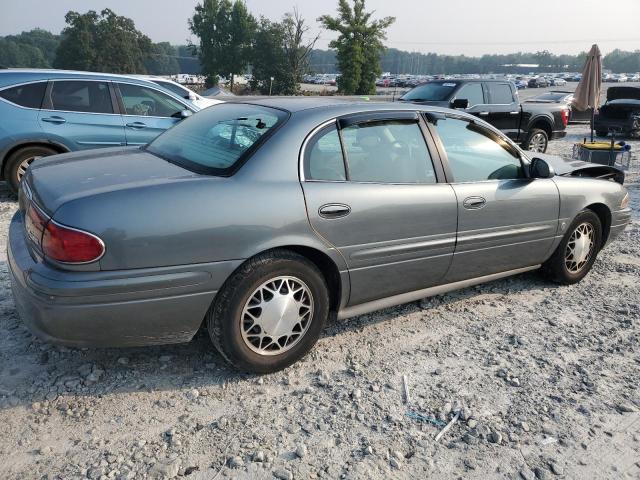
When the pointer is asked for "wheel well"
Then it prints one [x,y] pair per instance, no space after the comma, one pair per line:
[328,269]
[542,125]
[12,150]
[604,214]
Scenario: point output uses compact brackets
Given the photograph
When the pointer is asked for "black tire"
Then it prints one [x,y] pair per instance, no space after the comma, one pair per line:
[224,318]
[533,133]
[556,270]
[602,133]
[11,172]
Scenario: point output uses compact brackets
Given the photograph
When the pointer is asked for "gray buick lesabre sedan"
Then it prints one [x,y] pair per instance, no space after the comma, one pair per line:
[263,220]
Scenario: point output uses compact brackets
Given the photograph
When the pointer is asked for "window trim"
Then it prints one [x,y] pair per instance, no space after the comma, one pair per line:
[123,110]
[445,158]
[47,103]
[484,94]
[374,117]
[7,87]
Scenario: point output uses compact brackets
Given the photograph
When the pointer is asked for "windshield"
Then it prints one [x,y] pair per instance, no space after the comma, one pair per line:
[431,92]
[217,139]
[177,89]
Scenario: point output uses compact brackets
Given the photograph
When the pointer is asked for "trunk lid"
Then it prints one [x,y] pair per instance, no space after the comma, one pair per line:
[62,178]
[627,93]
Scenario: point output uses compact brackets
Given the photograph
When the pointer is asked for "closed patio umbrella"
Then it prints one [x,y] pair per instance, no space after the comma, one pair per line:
[587,94]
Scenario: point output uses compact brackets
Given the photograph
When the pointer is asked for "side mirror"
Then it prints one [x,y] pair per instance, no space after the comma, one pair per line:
[185,114]
[461,103]
[191,96]
[540,169]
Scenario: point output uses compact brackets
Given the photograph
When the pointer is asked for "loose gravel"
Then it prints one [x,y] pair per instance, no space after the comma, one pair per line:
[535,380]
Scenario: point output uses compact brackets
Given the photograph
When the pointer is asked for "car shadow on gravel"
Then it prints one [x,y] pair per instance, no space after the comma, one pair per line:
[40,371]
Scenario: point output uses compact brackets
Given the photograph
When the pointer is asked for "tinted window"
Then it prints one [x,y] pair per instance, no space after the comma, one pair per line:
[474,154]
[215,139]
[172,87]
[387,152]
[143,101]
[81,96]
[30,95]
[500,93]
[431,92]
[324,159]
[472,92]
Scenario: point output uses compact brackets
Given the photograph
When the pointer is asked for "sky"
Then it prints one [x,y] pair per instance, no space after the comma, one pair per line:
[470,27]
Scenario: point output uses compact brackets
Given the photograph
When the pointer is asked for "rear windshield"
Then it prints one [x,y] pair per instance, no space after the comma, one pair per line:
[431,92]
[217,139]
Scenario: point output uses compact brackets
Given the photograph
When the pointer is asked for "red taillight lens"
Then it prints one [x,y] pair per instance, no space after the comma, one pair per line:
[565,117]
[35,222]
[68,245]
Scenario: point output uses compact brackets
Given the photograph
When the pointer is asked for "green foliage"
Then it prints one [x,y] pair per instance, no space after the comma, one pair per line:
[162,60]
[622,62]
[103,42]
[226,34]
[358,46]
[14,54]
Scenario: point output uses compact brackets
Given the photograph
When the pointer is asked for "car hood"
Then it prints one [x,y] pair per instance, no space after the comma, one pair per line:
[572,167]
[62,178]
[617,93]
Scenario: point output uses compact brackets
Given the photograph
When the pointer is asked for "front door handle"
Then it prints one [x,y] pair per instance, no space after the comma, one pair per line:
[474,203]
[55,119]
[334,210]
[137,125]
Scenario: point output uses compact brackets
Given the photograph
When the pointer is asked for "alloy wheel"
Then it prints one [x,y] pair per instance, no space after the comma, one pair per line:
[24,165]
[538,143]
[277,315]
[579,248]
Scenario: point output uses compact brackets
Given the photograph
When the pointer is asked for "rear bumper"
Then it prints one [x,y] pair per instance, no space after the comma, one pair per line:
[116,308]
[557,134]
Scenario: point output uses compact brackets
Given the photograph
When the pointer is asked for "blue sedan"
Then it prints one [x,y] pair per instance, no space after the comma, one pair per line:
[46,112]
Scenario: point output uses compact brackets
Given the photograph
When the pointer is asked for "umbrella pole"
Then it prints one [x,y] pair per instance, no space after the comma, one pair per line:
[593,115]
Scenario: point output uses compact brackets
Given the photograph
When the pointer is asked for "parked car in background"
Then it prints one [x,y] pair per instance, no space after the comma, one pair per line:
[46,112]
[621,112]
[264,220]
[182,91]
[520,84]
[497,102]
[218,92]
[563,98]
[558,82]
[538,82]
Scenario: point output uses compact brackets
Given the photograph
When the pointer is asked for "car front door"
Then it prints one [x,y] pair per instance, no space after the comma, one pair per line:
[147,112]
[374,192]
[506,220]
[504,108]
[83,113]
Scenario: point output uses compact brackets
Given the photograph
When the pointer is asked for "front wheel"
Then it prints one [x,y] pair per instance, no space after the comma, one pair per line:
[270,312]
[577,251]
[537,141]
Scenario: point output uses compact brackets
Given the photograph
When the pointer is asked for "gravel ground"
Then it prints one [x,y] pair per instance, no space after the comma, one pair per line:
[543,382]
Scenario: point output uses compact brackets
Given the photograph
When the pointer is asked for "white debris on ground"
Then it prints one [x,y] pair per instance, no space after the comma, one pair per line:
[543,381]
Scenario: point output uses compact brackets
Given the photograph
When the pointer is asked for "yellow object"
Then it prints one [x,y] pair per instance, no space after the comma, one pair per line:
[600,146]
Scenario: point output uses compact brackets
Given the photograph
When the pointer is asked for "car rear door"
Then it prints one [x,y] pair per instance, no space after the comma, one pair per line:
[375,193]
[506,220]
[147,112]
[83,113]
[504,108]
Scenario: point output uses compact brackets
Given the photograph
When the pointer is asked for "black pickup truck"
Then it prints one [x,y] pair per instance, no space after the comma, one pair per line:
[496,102]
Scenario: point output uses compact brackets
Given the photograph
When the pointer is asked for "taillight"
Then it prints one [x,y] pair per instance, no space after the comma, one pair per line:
[565,116]
[34,223]
[69,245]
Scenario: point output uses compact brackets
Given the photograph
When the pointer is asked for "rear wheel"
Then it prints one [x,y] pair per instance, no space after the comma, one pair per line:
[20,160]
[577,251]
[270,312]
[536,141]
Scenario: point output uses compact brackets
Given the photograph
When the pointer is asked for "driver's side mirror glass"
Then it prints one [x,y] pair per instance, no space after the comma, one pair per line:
[540,169]
[460,103]
[185,113]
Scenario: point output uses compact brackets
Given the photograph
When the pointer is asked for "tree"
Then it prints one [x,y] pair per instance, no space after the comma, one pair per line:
[296,51]
[226,33]
[358,46]
[269,60]
[162,60]
[103,42]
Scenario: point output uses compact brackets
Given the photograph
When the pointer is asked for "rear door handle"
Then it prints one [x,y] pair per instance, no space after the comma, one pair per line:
[484,114]
[474,203]
[137,125]
[334,210]
[55,119]
[514,113]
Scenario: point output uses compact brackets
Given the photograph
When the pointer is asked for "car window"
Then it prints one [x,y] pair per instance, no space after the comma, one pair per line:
[148,102]
[431,92]
[324,159]
[474,153]
[215,139]
[472,92]
[387,152]
[29,95]
[81,96]
[172,87]
[500,93]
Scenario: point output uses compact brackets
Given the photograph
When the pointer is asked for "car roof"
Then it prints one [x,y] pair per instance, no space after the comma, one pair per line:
[10,76]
